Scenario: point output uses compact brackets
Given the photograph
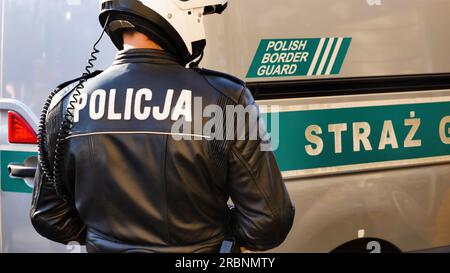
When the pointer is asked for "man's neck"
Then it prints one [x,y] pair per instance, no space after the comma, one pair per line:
[138,40]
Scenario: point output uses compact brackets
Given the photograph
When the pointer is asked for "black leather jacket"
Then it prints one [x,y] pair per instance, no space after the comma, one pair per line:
[138,189]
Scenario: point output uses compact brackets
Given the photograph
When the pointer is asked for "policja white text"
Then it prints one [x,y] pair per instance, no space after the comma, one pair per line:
[102,104]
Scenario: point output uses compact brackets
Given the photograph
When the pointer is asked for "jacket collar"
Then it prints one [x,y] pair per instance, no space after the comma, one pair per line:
[153,56]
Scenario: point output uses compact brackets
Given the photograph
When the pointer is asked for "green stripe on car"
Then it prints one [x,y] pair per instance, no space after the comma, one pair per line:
[9,184]
[299,57]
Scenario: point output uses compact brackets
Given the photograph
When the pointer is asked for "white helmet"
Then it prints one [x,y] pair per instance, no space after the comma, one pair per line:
[176,25]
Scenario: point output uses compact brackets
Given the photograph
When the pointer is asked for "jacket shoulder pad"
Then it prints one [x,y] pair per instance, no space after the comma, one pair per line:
[226,84]
[67,87]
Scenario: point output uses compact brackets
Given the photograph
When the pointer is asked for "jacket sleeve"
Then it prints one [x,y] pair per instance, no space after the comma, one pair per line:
[51,216]
[264,213]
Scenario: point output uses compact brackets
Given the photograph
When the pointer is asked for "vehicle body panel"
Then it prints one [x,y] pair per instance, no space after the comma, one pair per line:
[394,38]
[404,202]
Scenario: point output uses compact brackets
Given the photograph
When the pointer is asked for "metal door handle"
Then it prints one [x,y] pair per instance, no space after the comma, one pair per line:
[20,171]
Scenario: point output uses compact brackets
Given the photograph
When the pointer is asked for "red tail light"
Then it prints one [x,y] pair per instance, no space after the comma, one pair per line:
[19,131]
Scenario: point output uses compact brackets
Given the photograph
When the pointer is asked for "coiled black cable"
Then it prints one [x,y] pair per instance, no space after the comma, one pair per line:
[42,137]
[54,173]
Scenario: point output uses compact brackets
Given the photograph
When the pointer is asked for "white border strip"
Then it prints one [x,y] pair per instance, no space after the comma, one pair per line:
[385,165]
[299,105]
[2,44]
[19,148]
[2,29]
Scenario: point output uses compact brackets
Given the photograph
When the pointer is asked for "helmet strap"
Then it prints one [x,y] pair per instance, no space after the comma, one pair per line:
[194,64]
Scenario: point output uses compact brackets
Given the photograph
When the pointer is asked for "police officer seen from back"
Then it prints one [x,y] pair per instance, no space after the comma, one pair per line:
[113,173]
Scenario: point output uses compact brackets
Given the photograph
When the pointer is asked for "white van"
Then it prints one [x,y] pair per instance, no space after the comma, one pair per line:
[361,89]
